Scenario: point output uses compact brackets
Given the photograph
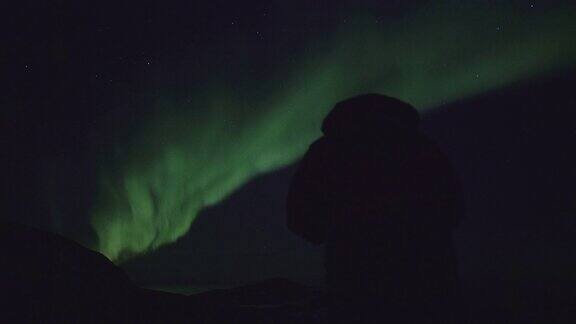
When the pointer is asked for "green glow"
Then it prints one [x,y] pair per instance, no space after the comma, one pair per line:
[184,157]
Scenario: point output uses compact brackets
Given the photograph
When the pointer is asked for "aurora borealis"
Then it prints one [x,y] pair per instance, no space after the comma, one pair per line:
[186,154]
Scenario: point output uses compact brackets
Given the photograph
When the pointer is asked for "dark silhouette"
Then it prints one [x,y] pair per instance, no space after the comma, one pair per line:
[51,279]
[48,278]
[385,200]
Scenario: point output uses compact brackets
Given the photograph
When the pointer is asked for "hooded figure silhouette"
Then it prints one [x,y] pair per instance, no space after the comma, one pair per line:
[385,200]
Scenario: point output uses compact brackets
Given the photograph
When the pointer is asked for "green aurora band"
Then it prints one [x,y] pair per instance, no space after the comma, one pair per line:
[185,157]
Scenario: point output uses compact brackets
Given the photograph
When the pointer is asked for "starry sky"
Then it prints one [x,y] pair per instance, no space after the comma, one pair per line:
[126,120]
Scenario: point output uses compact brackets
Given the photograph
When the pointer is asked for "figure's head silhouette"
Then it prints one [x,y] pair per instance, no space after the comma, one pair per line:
[370,113]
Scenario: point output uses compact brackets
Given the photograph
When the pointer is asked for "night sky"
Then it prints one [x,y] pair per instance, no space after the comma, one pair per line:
[125,121]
